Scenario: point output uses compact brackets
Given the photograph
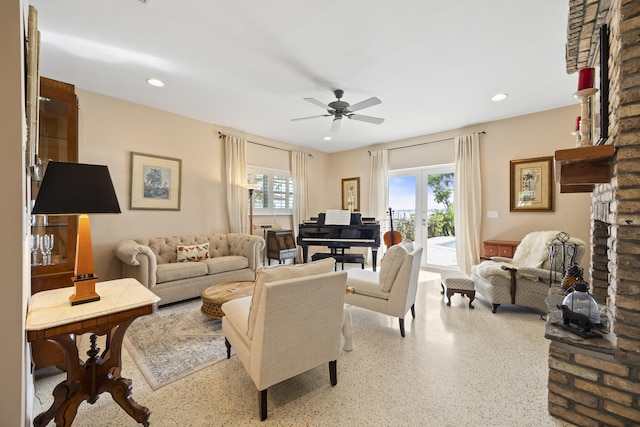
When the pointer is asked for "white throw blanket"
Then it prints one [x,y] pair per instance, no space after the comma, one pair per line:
[533,250]
[493,268]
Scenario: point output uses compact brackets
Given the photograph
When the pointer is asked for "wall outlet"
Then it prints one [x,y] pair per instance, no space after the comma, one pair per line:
[493,214]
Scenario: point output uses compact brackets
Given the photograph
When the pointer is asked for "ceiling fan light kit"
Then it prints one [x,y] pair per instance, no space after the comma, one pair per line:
[339,109]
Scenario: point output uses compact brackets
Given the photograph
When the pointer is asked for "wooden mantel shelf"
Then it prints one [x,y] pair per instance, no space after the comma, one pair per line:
[579,169]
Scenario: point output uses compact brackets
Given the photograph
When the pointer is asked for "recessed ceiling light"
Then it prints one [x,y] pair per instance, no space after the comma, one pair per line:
[327,138]
[499,96]
[155,82]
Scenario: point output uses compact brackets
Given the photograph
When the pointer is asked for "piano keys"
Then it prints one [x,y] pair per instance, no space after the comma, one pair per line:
[339,237]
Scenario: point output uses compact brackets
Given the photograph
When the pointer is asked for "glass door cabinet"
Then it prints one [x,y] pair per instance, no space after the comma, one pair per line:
[53,238]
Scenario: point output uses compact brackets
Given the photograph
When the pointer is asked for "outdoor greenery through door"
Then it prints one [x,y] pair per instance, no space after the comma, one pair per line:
[425,197]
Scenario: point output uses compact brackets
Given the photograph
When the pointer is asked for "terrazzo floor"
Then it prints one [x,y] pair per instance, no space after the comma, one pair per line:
[456,367]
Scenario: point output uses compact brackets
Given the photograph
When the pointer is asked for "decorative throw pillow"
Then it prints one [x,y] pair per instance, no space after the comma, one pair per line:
[192,252]
[282,272]
[390,267]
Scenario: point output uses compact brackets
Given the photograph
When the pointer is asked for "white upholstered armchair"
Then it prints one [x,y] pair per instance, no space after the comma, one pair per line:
[393,289]
[290,325]
[525,279]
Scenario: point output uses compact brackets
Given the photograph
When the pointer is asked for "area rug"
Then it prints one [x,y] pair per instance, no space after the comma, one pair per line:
[174,342]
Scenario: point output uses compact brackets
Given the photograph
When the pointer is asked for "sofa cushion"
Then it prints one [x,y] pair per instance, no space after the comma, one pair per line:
[192,252]
[179,270]
[225,263]
[283,272]
[391,264]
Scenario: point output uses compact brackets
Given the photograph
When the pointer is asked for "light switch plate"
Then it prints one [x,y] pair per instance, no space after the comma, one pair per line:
[493,214]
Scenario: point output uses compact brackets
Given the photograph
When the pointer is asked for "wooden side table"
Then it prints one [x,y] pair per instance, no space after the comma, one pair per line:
[50,317]
[503,248]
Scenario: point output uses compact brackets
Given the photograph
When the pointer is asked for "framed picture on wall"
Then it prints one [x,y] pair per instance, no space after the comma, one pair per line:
[531,184]
[351,194]
[155,182]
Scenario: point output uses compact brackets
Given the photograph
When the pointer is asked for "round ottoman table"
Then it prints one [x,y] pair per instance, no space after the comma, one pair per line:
[213,297]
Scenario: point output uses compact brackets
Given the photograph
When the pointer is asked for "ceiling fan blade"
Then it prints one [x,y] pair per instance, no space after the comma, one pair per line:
[335,125]
[318,103]
[365,104]
[310,117]
[368,119]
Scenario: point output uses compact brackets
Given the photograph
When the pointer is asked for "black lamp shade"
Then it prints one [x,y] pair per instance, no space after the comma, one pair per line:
[75,188]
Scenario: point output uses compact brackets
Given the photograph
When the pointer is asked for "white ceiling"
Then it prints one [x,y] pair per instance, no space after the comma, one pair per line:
[247,65]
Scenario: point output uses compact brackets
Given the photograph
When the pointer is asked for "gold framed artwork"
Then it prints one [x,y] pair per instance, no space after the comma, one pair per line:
[155,182]
[531,184]
[351,194]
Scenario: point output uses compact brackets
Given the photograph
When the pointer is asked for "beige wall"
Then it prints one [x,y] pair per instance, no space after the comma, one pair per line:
[110,129]
[533,135]
[13,256]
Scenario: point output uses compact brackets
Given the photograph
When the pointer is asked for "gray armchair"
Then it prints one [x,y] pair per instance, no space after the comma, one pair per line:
[525,278]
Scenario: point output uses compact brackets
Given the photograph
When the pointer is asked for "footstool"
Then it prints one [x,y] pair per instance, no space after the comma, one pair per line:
[213,297]
[457,281]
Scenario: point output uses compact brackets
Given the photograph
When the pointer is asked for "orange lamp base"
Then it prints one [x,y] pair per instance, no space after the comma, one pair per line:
[84,280]
[85,291]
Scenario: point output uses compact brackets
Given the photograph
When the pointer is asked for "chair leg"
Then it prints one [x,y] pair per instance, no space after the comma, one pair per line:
[228,344]
[263,404]
[401,327]
[413,310]
[333,372]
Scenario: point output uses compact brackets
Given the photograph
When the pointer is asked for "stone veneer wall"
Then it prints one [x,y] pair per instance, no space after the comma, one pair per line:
[595,388]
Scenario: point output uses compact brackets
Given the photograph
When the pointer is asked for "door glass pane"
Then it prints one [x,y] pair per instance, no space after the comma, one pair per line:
[402,199]
[441,241]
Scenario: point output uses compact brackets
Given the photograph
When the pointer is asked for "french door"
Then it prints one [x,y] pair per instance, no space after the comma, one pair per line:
[422,203]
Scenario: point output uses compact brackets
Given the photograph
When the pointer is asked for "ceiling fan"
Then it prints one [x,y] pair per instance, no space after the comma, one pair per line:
[339,109]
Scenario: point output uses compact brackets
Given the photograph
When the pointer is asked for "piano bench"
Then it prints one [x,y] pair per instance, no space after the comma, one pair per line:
[340,258]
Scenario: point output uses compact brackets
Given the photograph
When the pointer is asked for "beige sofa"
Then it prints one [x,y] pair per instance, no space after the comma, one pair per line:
[181,267]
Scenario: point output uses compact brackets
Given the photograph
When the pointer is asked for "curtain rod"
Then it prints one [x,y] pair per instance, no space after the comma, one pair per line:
[222,135]
[426,143]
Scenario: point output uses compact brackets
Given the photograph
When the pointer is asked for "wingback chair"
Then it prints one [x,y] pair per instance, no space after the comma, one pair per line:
[290,325]
[392,290]
[525,278]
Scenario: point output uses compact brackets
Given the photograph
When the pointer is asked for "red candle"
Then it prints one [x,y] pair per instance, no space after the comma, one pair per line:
[585,78]
[578,123]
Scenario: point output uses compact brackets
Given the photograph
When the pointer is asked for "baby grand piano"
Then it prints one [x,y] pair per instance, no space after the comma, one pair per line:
[339,237]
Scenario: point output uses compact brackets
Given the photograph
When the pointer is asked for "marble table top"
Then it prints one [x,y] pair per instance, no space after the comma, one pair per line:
[53,308]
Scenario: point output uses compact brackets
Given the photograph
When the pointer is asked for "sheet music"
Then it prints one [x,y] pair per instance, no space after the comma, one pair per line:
[337,217]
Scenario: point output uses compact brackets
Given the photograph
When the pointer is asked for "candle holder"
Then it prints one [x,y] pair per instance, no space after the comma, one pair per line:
[585,117]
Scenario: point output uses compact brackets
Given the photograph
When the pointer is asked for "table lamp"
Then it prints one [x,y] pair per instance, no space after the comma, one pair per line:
[78,189]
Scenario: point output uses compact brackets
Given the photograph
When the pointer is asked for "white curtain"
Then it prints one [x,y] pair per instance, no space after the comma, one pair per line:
[379,190]
[300,174]
[467,203]
[237,192]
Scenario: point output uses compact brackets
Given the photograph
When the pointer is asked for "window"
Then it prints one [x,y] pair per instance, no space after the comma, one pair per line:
[275,190]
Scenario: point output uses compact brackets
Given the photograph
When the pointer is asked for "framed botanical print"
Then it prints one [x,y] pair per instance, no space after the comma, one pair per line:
[155,182]
[531,184]
[351,194]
